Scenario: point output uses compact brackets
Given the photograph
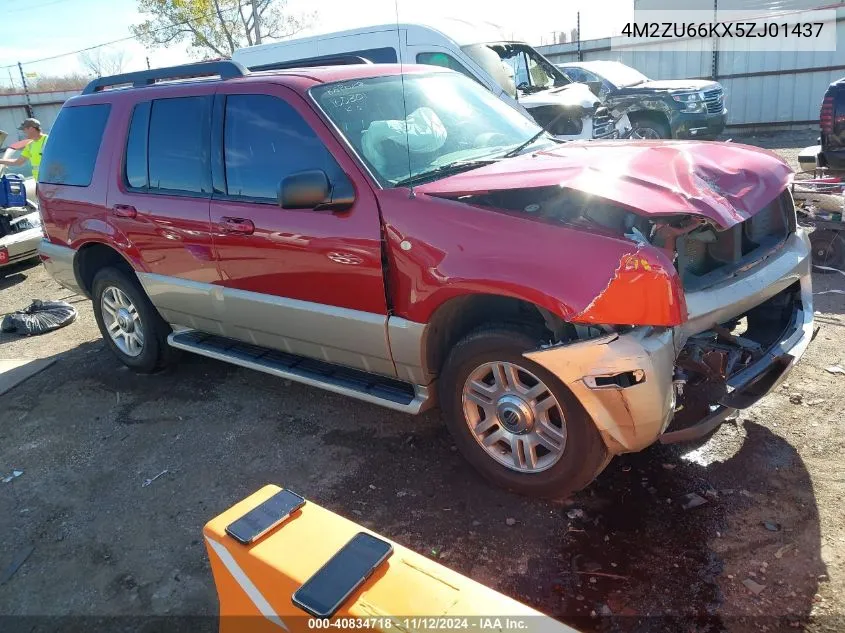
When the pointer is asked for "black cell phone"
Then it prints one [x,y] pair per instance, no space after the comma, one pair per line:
[264,517]
[324,593]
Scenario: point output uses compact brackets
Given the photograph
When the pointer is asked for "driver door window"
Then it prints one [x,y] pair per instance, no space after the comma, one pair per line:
[539,76]
[264,141]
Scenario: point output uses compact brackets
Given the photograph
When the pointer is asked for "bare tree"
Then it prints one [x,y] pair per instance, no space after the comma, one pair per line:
[45,83]
[102,61]
[216,27]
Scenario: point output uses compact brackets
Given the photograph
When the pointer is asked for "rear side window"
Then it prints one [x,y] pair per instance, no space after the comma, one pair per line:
[72,147]
[167,149]
[265,140]
[137,176]
[179,145]
[385,55]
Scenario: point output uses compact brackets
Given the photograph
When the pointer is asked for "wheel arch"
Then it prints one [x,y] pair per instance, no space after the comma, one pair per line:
[647,114]
[94,256]
[460,315]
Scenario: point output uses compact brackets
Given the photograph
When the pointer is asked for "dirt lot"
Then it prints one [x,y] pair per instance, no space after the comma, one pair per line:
[86,433]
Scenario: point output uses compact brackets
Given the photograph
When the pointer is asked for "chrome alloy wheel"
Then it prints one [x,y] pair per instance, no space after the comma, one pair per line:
[646,133]
[514,416]
[122,321]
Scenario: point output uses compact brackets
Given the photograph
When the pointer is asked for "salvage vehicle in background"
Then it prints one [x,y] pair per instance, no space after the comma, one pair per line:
[513,71]
[677,108]
[20,224]
[832,120]
[562,302]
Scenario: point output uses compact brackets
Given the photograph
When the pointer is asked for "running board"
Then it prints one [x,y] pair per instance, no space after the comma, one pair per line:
[387,392]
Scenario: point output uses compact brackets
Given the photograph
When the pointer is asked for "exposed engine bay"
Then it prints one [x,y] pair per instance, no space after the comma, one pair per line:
[701,252]
[710,359]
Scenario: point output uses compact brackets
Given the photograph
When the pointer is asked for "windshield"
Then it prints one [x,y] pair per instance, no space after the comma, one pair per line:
[444,119]
[516,66]
[618,74]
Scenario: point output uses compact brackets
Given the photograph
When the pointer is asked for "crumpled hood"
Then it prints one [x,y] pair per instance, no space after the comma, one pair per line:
[568,95]
[723,182]
[677,84]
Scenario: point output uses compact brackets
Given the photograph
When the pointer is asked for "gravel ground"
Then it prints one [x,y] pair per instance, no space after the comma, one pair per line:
[86,433]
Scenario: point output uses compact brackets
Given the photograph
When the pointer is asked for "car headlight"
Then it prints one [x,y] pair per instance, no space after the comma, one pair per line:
[691,101]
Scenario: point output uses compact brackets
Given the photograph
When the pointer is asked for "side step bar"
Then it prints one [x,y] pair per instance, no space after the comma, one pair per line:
[387,392]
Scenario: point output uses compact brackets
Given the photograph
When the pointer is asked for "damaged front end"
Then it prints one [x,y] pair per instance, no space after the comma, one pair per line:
[709,304]
[741,338]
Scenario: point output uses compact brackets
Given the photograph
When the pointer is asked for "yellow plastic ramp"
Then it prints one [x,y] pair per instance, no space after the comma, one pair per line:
[407,593]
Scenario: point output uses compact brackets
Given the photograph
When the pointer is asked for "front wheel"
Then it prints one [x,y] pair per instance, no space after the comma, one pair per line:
[514,421]
[130,325]
[650,129]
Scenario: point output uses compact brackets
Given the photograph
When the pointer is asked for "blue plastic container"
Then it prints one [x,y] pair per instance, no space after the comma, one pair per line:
[12,191]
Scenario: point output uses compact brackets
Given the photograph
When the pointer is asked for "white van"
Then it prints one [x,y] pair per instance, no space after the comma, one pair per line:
[514,71]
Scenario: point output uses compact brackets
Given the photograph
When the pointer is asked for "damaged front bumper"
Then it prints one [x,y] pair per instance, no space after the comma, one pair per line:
[627,382]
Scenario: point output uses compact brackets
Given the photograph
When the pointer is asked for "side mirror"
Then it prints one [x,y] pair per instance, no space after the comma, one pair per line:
[523,86]
[312,190]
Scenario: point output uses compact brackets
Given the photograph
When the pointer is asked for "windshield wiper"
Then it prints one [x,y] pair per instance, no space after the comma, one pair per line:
[445,170]
[548,126]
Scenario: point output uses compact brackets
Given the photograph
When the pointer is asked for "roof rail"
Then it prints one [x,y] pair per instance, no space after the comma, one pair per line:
[325,60]
[226,69]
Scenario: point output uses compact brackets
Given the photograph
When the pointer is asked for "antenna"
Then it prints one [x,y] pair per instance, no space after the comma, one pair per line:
[404,103]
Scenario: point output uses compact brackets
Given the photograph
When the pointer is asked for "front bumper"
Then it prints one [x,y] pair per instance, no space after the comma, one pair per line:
[687,125]
[625,381]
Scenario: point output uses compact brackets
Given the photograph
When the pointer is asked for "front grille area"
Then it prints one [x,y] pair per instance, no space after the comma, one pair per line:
[715,100]
[705,255]
[603,124]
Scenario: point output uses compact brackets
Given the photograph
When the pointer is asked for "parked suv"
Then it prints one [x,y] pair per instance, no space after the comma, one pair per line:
[673,108]
[562,302]
[832,119]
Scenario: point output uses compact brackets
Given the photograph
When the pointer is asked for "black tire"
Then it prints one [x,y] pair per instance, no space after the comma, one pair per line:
[828,249]
[155,353]
[649,128]
[584,453]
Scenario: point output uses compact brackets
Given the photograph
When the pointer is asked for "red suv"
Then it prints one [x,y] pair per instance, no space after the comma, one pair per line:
[408,239]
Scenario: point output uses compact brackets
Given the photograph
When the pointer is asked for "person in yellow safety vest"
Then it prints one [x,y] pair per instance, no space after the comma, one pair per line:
[33,151]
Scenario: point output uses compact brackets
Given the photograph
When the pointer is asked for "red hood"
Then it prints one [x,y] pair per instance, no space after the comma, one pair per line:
[724,182]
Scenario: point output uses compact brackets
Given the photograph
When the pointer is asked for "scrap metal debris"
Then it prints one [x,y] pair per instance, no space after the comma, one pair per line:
[147,482]
[692,500]
[15,565]
[783,550]
[753,587]
[835,369]
[15,474]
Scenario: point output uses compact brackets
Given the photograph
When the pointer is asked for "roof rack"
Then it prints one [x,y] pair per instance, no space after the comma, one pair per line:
[325,60]
[225,69]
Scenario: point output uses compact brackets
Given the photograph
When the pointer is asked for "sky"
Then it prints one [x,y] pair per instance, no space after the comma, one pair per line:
[44,28]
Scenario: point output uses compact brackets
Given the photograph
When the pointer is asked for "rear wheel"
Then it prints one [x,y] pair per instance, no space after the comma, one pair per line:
[513,420]
[130,325]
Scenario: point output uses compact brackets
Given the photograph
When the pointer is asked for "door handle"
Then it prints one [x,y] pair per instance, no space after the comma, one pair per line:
[124,211]
[240,226]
